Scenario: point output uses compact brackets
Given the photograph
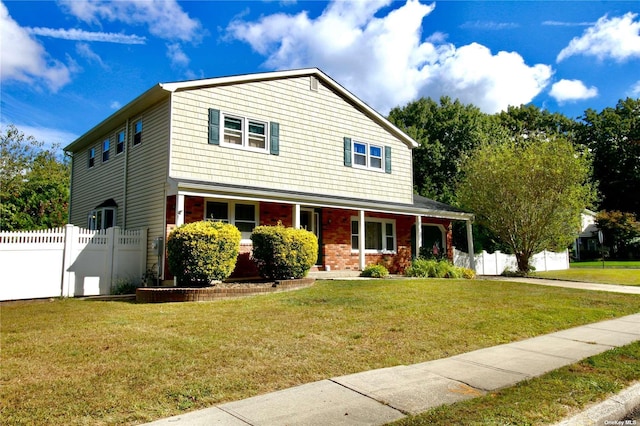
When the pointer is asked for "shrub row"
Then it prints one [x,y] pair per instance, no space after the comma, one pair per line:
[206,251]
[431,268]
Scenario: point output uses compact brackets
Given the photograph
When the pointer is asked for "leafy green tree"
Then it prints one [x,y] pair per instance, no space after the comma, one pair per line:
[34,184]
[613,137]
[528,192]
[445,132]
[531,121]
[621,231]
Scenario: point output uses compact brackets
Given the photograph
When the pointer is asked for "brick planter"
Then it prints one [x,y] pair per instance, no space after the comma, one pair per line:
[183,294]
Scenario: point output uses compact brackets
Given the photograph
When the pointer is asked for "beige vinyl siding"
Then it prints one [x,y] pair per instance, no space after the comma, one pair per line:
[147,174]
[312,128]
[92,186]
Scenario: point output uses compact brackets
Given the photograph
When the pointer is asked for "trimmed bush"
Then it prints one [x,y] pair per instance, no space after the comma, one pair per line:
[375,271]
[431,268]
[284,253]
[201,252]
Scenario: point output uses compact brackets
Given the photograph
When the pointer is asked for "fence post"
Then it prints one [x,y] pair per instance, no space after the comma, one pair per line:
[112,234]
[68,277]
[143,252]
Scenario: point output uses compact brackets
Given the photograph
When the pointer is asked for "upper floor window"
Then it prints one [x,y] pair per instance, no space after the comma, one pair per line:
[243,215]
[244,132]
[137,135]
[379,235]
[105,150]
[120,142]
[92,157]
[367,155]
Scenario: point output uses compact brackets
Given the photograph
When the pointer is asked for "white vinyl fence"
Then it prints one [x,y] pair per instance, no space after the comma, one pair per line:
[69,261]
[496,263]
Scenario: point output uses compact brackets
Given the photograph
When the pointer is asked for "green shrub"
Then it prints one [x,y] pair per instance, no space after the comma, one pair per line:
[283,253]
[431,268]
[375,271]
[201,252]
[123,286]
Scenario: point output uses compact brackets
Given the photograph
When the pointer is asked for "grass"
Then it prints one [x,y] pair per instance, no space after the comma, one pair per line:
[594,275]
[79,362]
[546,399]
[634,264]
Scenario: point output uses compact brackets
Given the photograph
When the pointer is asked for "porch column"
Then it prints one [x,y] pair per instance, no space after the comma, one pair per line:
[361,237]
[296,216]
[179,209]
[472,258]
[418,236]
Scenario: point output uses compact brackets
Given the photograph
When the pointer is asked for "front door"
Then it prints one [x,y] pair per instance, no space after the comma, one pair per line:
[310,220]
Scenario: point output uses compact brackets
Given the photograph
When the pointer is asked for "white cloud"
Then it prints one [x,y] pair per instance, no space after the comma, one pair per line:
[176,55]
[572,90]
[164,18]
[115,105]
[617,38]
[84,50]
[80,35]
[489,25]
[383,60]
[635,89]
[25,60]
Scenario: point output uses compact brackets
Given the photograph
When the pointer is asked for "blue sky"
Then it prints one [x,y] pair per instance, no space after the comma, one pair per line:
[67,65]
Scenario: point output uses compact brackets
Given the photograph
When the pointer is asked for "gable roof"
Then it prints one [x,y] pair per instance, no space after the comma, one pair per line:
[163,90]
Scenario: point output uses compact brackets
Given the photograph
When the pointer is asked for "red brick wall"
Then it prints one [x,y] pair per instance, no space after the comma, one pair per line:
[335,235]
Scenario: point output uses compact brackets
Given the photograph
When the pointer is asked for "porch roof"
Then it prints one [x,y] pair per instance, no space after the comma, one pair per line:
[421,206]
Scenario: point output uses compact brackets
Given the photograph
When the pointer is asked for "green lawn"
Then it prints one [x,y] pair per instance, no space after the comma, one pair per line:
[594,275]
[634,264]
[77,362]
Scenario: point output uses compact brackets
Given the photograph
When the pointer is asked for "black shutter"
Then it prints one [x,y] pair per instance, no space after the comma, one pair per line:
[387,159]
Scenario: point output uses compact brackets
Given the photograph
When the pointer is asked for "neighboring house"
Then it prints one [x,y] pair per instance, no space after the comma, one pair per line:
[290,146]
[586,246]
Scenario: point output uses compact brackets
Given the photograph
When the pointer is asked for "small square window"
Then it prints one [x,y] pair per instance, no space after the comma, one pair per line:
[368,156]
[257,134]
[233,130]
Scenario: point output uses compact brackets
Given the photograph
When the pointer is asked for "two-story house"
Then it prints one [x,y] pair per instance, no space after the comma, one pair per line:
[288,146]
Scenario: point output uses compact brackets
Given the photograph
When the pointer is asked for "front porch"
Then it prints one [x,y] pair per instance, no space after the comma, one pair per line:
[392,237]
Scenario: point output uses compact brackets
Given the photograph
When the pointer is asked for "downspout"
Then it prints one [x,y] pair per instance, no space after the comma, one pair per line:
[126,169]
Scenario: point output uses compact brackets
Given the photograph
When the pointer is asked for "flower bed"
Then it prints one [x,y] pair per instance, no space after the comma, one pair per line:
[219,291]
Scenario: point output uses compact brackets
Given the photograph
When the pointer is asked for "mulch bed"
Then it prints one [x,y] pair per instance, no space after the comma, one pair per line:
[218,291]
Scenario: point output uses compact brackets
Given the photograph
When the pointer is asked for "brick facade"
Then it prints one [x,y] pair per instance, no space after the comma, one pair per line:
[336,251]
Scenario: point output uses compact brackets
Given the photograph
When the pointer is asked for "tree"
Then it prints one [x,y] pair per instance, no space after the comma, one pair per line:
[445,132]
[528,192]
[613,137]
[621,231]
[34,185]
[530,121]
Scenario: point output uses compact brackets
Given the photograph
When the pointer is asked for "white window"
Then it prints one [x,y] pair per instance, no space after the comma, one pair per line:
[105,150]
[243,215]
[120,143]
[92,157]
[379,237]
[137,135]
[368,156]
[102,218]
[244,132]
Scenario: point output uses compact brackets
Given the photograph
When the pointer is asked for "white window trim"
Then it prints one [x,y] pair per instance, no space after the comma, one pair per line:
[231,212]
[384,235]
[368,156]
[124,141]
[245,133]
[93,214]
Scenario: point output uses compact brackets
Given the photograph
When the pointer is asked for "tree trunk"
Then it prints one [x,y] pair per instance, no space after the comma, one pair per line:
[523,262]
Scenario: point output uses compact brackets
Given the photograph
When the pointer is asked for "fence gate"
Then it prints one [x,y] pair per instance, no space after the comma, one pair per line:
[69,261]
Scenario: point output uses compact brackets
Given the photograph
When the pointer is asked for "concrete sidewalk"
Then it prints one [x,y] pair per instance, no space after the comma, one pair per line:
[380,396]
[611,288]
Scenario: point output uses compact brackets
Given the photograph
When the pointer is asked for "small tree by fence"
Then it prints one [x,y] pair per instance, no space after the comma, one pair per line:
[69,261]
[496,263]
